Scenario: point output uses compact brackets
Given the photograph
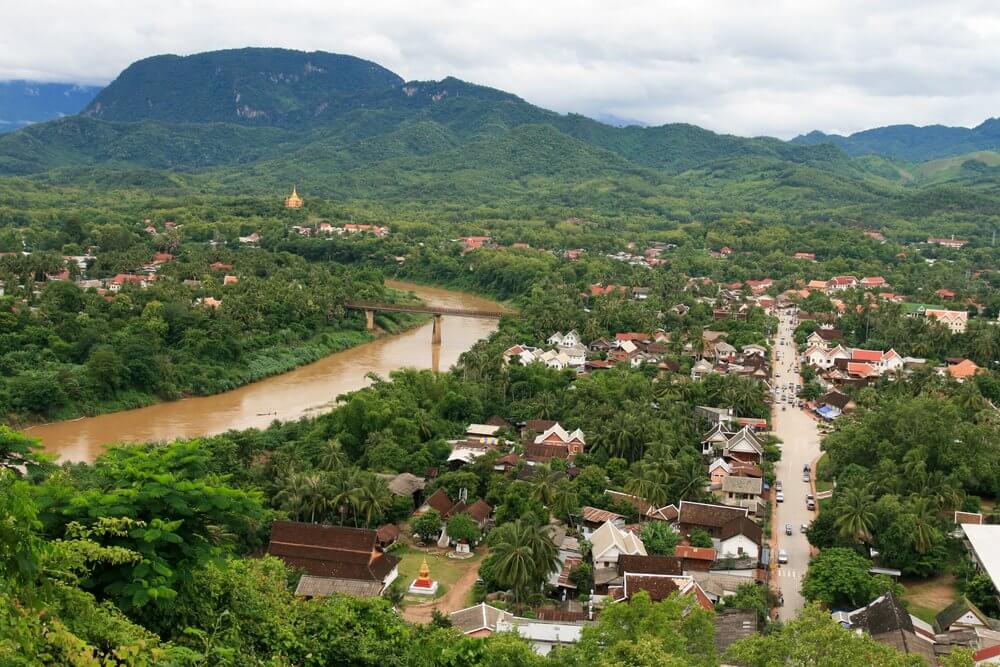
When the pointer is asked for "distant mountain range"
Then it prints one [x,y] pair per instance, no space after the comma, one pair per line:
[26,102]
[912,143]
[246,120]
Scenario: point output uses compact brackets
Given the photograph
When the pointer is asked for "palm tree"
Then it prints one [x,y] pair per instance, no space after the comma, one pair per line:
[545,480]
[304,494]
[373,499]
[344,493]
[652,484]
[332,456]
[523,556]
[691,480]
[566,500]
[856,518]
[925,530]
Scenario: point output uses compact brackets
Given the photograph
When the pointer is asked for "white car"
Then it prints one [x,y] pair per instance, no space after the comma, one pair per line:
[782,556]
[780,497]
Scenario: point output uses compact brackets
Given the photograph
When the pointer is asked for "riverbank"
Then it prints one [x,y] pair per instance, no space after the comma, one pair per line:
[306,391]
[257,365]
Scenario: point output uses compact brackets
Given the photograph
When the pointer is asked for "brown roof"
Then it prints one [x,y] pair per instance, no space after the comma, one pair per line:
[731,625]
[834,398]
[541,451]
[567,567]
[479,510]
[539,425]
[742,526]
[440,501]
[688,552]
[597,515]
[387,533]
[650,564]
[497,420]
[561,615]
[659,588]
[330,551]
[701,514]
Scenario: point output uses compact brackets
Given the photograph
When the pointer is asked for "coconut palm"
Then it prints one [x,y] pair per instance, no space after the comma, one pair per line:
[373,499]
[925,529]
[652,484]
[332,456]
[344,493]
[855,518]
[545,481]
[523,557]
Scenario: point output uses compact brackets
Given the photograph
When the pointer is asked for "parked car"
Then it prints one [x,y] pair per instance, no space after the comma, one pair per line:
[780,497]
[804,527]
[782,556]
[777,485]
[788,529]
[805,477]
[805,467]
[810,505]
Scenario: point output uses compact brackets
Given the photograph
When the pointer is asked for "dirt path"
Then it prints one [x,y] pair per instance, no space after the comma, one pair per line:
[455,598]
[936,593]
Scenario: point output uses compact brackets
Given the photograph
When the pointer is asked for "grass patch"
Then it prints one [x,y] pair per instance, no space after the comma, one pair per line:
[446,571]
[926,597]
[823,481]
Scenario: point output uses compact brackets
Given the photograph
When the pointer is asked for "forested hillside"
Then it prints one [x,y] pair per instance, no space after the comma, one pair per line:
[912,143]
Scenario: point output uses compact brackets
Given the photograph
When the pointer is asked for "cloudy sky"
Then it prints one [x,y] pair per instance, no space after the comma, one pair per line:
[749,68]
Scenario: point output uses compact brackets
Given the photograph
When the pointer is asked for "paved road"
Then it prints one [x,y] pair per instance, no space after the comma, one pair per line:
[800,436]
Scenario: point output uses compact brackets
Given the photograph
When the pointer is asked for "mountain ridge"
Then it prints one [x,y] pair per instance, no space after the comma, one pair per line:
[911,142]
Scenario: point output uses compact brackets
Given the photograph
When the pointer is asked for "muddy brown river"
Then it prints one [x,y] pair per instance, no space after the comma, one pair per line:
[308,390]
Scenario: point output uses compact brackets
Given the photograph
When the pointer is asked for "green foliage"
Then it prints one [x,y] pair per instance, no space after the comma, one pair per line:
[659,538]
[816,639]
[699,538]
[839,577]
[463,527]
[427,525]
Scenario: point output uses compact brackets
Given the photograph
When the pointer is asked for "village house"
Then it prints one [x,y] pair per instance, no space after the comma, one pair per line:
[874,282]
[886,621]
[336,559]
[875,236]
[809,256]
[841,283]
[824,337]
[375,230]
[554,442]
[609,543]
[947,243]
[817,285]
[647,511]
[481,620]
[570,339]
[742,492]
[961,369]
[253,238]
[696,559]
[956,320]
[711,518]
[594,517]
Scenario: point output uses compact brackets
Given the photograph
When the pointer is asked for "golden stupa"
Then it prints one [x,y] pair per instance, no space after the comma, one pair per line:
[293,200]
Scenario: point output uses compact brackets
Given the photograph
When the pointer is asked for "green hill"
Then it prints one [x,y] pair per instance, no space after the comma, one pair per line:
[252,86]
[912,143]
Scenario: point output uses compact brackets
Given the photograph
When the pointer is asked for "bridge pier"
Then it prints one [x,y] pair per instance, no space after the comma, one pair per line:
[369,320]
[436,331]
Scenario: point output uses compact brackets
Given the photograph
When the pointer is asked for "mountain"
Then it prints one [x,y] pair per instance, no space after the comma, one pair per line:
[252,86]
[912,143]
[254,120]
[205,111]
[25,102]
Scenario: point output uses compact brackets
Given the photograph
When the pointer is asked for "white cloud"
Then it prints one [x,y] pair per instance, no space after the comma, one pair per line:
[767,67]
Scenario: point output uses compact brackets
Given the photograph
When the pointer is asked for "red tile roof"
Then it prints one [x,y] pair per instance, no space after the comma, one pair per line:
[866,355]
[694,553]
